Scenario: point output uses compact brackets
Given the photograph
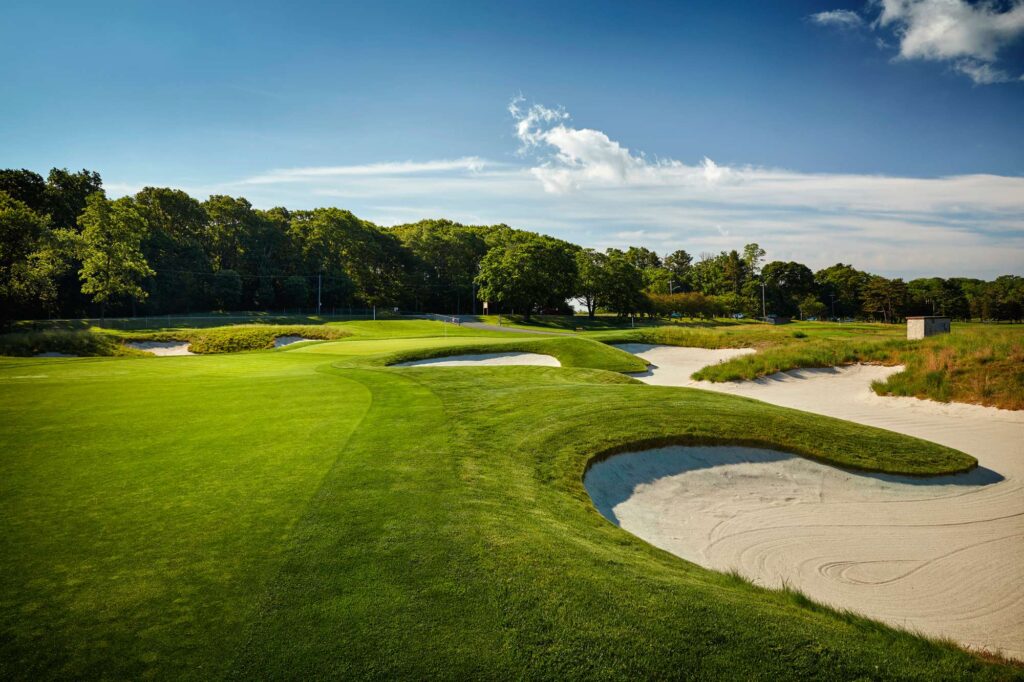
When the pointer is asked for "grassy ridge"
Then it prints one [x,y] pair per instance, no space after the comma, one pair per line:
[78,343]
[101,342]
[238,338]
[319,521]
[570,352]
[806,353]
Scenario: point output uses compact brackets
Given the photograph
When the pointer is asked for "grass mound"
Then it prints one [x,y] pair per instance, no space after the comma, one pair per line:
[803,353]
[79,343]
[238,338]
[569,351]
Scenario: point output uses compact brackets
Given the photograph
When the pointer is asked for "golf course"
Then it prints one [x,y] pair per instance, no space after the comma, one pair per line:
[315,511]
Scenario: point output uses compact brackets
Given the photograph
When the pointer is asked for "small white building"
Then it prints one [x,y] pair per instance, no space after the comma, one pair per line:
[920,326]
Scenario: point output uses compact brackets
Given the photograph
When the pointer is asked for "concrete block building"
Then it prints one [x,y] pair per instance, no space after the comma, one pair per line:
[920,326]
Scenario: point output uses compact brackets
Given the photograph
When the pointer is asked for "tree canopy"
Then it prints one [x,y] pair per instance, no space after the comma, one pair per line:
[66,250]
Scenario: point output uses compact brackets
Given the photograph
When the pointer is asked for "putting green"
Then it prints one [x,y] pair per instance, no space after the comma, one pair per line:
[311,513]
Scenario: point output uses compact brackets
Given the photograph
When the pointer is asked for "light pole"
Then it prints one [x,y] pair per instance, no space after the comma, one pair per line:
[474,289]
[764,309]
[833,306]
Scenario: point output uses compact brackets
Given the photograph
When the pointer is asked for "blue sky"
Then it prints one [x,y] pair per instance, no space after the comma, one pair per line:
[838,131]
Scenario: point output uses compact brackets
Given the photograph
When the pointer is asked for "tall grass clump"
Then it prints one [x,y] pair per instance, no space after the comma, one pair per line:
[974,364]
[804,353]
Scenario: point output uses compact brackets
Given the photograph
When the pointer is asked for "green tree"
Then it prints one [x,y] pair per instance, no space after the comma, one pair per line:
[295,291]
[884,298]
[592,282]
[30,259]
[680,265]
[753,257]
[229,222]
[226,289]
[446,256]
[528,271]
[110,248]
[642,257]
[1008,291]
[26,187]
[625,292]
[173,247]
[708,274]
[355,256]
[67,194]
[786,285]
[810,307]
[840,286]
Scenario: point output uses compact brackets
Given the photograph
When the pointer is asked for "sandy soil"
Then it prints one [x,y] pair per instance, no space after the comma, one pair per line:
[288,340]
[161,347]
[943,556]
[486,359]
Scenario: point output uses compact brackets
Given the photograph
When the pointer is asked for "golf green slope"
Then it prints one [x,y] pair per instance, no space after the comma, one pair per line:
[313,513]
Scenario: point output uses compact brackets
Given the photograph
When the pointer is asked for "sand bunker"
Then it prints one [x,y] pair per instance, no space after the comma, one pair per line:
[943,556]
[289,340]
[673,365]
[162,348]
[486,359]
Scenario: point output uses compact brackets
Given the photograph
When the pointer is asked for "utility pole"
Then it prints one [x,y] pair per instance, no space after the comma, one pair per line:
[319,290]
[764,310]
[833,306]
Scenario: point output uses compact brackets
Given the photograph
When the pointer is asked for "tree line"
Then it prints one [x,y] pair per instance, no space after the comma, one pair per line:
[67,250]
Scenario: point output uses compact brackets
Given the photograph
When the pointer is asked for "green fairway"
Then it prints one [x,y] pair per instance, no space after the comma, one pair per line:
[312,513]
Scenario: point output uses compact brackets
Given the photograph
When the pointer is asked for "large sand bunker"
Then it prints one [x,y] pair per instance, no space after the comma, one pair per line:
[485,359]
[162,348]
[942,556]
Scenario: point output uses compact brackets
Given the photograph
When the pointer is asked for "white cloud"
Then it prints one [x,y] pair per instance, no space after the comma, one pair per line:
[838,18]
[952,29]
[570,158]
[982,73]
[581,185]
[967,35]
[466,163]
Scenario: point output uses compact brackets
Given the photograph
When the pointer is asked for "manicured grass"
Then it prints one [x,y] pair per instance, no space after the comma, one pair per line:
[311,515]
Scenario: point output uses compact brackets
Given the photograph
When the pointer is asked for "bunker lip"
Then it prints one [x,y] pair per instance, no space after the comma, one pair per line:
[282,341]
[688,441]
[946,565]
[485,360]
